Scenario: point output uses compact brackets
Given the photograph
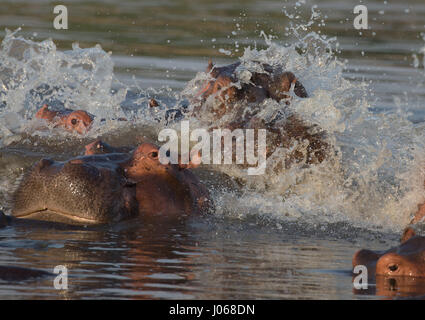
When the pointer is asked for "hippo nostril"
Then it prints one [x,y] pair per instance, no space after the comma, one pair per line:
[393,267]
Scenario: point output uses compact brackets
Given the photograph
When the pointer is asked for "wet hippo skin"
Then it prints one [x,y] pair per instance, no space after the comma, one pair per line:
[107,188]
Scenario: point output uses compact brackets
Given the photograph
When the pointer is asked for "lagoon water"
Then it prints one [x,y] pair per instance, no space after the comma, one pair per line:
[285,235]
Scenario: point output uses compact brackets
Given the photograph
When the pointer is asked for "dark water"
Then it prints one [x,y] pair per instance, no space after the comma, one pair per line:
[165,43]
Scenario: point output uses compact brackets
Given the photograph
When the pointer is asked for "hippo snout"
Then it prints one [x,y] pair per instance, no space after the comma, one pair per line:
[393,264]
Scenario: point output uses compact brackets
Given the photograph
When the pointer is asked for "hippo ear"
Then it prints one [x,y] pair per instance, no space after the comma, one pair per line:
[210,66]
[407,234]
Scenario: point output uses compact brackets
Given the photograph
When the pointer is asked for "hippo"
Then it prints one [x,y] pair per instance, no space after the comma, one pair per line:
[4,220]
[237,105]
[79,120]
[407,259]
[272,83]
[107,188]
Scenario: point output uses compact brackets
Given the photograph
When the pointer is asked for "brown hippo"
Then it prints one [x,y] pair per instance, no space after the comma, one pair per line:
[239,103]
[79,121]
[407,259]
[107,188]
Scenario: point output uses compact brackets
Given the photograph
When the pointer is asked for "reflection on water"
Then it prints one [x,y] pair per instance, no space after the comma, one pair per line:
[202,258]
[164,43]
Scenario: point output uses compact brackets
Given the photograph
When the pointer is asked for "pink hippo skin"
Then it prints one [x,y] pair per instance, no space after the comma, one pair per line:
[74,121]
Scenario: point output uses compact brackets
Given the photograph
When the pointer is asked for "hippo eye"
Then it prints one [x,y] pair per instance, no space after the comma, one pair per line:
[154,154]
[393,267]
[74,121]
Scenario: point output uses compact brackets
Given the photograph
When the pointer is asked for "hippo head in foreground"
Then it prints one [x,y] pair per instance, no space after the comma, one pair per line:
[107,188]
[405,260]
[74,121]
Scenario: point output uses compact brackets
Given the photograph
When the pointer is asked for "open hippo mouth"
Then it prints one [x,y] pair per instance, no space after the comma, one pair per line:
[85,190]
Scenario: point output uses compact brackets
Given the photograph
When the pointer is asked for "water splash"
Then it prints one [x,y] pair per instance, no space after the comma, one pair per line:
[374,180]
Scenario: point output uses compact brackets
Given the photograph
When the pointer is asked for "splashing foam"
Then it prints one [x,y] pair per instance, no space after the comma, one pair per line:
[374,180]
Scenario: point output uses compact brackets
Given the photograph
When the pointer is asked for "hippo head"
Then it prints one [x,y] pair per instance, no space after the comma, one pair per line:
[163,190]
[407,260]
[226,88]
[84,190]
[79,121]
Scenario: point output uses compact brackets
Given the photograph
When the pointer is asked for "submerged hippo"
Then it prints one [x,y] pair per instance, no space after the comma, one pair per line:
[408,259]
[236,104]
[107,188]
[79,120]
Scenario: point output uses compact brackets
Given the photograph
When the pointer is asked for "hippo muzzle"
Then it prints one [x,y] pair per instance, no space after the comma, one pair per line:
[85,190]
